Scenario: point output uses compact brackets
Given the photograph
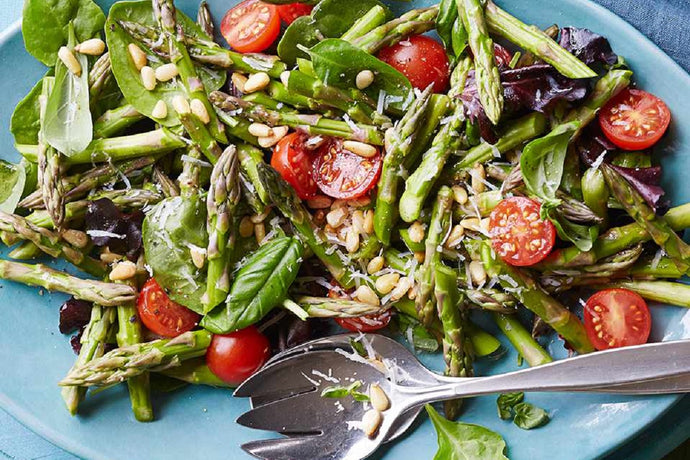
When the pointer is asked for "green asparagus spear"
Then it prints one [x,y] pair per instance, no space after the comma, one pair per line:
[595,193]
[201,137]
[204,19]
[166,185]
[371,20]
[49,177]
[612,83]
[100,75]
[522,340]
[437,110]
[26,250]
[413,22]
[326,307]
[250,157]
[196,372]
[668,292]
[115,121]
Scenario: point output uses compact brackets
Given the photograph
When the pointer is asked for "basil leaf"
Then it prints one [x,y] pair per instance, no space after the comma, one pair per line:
[25,122]
[464,441]
[45,25]
[127,75]
[260,286]
[506,402]
[12,181]
[542,162]
[528,416]
[170,230]
[411,329]
[337,63]
[67,125]
[341,391]
[582,236]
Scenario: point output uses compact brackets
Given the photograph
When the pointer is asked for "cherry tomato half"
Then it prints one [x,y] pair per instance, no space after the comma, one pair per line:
[236,356]
[292,11]
[634,119]
[422,60]
[342,174]
[161,315]
[292,160]
[251,27]
[368,323]
[617,318]
[518,235]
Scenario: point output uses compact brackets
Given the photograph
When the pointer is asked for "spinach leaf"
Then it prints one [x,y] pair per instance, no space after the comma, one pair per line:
[330,19]
[12,181]
[260,286]
[582,236]
[127,75]
[337,63]
[506,402]
[68,126]
[341,391]
[45,25]
[25,122]
[421,338]
[528,416]
[542,162]
[464,441]
[170,230]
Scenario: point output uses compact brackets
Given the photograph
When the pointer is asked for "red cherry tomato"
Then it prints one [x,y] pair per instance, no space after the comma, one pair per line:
[292,160]
[518,235]
[502,56]
[634,119]
[368,323]
[251,27]
[343,174]
[161,315]
[422,60]
[617,318]
[292,11]
[236,356]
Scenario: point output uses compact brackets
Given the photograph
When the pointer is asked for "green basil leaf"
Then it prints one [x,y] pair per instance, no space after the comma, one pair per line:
[360,397]
[68,126]
[464,441]
[127,75]
[170,230]
[260,286]
[413,330]
[445,20]
[542,162]
[335,392]
[12,181]
[506,402]
[25,122]
[337,62]
[340,391]
[45,25]
[582,236]
[528,416]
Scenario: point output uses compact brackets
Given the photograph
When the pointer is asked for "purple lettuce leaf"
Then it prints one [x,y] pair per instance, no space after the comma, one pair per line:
[592,144]
[587,46]
[646,181]
[108,226]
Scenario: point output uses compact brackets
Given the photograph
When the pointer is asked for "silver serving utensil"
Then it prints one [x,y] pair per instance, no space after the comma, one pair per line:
[289,390]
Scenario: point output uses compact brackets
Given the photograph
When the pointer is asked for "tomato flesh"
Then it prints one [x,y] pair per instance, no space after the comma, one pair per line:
[422,60]
[617,318]
[161,315]
[251,27]
[518,235]
[292,11]
[236,356]
[634,119]
[368,323]
[292,160]
[342,174]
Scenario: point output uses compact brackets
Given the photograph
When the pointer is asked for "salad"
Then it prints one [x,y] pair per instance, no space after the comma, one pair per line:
[327,166]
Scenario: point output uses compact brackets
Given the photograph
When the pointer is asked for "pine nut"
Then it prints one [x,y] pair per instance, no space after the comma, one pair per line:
[364,79]
[110,257]
[460,194]
[166,72]
[338,204]
[360,202]
[285,77]
[360,148]
[123,271]
[351,241]
[375,265]
[319,202]
[470,223]
[238,81]
[258,218]
[246,227]
[76,238]
[412,293]
[336,217]
[279,132]
[160,110]
[260,130]
[256,82]
[92,47]
[455,237]
[358,221]
[378,398]
[385,283]
[478,175]
[477,273]
[404,285]
[368,221]
[181,105]
[198,256]
[365,294]
[416,232]
[148,78]
[371,421]
[138,56]
[71,62]
[419,256]
[260,232]
[484,225]
[199,109]
[320,217]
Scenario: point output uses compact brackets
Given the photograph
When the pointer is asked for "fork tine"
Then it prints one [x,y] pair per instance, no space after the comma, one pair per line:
[282,448]
[325,343]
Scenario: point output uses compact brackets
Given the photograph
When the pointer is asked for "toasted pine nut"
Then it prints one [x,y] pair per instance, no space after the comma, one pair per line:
[238,81]
[364,79]
[71,62]
[279,132]
[455,237]
[459,194]
[477,273]
[138,56]
[375,265]
[110,257]
[319,202]
[166,72]
[416,232]
[260,130]
[258,218]
[371,421]
[336,217]
[92,47]
[360,202]
[365,294]
[198,256]
[123,271]
[260,232]
[148,78]
[478,175]
[484,225]
[338,204]
[285,77]
[385,283]
[256,82]
[358,221]
[470,223]
[369,221]
[199,109]
[75,237]
[246,227]
[181,105]
[160,110]
[351,241]
[378,398]
[412,293]
[360,148]
[419,256]
[404,285]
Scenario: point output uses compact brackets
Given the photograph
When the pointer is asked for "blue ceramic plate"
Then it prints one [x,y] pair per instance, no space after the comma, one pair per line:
[199,422]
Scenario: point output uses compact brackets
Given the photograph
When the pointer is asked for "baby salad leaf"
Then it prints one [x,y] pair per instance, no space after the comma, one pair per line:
[25,122]
[260,286]
[506,402]
[45,25]
[12,180]
[68,126]
[582,236]
[464,441]
[341,391]
[528,416]
[170,230]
